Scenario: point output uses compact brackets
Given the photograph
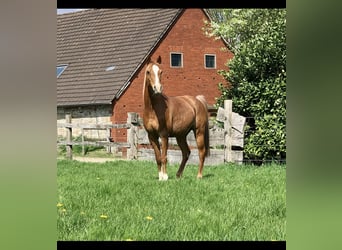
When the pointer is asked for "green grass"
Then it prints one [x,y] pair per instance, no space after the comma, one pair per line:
[231,202]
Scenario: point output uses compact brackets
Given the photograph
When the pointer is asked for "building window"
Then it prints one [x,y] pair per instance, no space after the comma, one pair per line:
[60,69]
[176,60]
[210,61]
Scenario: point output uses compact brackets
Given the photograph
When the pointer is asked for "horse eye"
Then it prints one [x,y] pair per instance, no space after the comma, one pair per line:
[148,72]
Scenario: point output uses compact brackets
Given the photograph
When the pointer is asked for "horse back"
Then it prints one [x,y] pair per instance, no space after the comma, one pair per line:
[187,110]
[198,104]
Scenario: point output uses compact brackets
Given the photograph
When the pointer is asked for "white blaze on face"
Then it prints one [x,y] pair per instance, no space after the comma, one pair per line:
[157,84]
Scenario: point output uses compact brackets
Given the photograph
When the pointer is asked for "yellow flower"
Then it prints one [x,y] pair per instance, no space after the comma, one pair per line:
[103,216]
[59,204]
[82,213]
[63,210]
[149,218]
[129,239]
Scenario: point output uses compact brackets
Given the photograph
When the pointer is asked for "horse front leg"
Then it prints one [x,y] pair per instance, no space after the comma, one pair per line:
[156,147]
[165,144]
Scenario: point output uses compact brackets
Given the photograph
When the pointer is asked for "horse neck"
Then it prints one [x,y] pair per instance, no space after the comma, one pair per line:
[147,96]
[150,102]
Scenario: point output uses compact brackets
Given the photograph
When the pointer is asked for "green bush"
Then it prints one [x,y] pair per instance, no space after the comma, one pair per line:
[256,76]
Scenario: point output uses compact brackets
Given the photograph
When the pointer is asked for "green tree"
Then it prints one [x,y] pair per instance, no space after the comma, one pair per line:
[257,75]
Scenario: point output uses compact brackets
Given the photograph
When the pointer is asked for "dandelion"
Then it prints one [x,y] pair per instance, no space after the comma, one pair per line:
[103,216]
[63,210]
[149,218]
[82,213]
[98,178]
[60,204]
[129,239]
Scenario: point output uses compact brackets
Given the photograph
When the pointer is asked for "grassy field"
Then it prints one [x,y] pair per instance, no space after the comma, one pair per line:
[124,200]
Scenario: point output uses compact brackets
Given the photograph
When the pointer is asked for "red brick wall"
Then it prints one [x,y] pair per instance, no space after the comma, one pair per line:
[186,37]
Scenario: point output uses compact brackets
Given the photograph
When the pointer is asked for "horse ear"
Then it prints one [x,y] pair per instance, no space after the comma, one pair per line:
[159,60]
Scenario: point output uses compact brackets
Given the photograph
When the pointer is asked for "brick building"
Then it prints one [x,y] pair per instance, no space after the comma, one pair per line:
[102,53]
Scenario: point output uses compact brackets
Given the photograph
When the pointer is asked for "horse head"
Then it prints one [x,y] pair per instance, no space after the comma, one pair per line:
[153,76]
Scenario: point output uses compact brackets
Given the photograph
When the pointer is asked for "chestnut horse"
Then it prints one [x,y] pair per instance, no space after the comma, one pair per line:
[166,116]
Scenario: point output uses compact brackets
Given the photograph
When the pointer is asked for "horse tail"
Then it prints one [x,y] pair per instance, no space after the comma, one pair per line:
[201,98]
[206,139]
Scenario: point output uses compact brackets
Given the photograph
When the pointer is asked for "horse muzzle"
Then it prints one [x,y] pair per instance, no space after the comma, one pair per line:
[157,89]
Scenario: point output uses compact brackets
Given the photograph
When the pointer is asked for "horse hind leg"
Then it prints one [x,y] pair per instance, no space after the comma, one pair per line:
[182,143]
[202,152]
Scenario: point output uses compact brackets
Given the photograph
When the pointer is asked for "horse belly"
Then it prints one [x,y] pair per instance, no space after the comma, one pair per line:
[181,126]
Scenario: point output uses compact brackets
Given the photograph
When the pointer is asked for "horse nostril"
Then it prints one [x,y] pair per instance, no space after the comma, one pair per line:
[157,89]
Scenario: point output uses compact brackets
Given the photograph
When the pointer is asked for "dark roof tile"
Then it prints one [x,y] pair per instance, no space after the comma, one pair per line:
[90,41]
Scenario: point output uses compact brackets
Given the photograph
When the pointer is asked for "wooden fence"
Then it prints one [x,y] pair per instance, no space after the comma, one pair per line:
[226,144]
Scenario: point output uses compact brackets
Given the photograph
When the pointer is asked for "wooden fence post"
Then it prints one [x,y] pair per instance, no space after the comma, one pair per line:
[132,152]
[82,137]
[68,137]
[228,107]
[109,148]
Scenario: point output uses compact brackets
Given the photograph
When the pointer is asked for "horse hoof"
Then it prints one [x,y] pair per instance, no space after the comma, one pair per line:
[199,176]
[163,177]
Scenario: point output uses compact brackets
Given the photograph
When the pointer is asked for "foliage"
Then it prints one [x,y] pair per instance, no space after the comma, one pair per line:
[124,200]
[257,75]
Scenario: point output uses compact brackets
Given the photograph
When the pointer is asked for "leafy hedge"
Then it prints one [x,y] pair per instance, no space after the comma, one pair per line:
[256,76]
